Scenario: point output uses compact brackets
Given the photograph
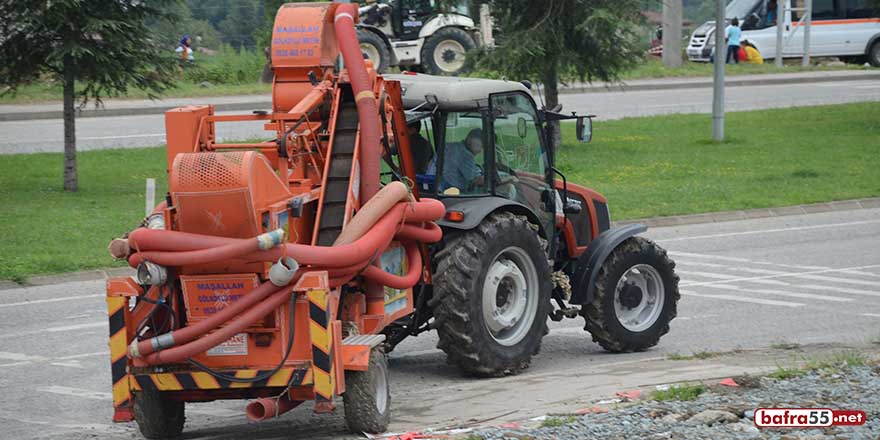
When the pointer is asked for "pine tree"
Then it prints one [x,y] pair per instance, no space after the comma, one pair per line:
[95,48]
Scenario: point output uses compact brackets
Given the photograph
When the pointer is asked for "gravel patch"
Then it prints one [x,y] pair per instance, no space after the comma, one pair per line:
[723,412]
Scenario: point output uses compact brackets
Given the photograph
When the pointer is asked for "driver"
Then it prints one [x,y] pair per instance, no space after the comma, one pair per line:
[460,169]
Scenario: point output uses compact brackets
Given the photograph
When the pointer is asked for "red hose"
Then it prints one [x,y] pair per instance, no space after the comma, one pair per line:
[190,332]
[368,113]
[182,352]
[268,407]
[412,276]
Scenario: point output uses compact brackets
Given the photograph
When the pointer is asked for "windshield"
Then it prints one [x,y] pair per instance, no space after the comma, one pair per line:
[740,8]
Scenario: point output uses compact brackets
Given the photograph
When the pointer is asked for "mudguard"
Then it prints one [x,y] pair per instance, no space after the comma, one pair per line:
[583,280]
[477,208]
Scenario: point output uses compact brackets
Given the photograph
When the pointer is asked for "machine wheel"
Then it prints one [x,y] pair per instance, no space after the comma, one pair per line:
[157,416]
[375,50]
[444,52]
[636,297]
[874,54]
[367,396]
[492,296]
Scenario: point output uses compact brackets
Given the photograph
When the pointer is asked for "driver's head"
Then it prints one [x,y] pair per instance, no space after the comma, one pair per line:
[414,127]
[474,140]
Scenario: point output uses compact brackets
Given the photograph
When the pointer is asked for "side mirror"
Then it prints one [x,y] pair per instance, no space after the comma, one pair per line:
[584,129]
[521,127]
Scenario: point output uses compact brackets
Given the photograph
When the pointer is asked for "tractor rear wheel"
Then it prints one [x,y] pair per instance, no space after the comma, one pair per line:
[636,297]
[492,296]
[157,416]
[373,47]
[367,396]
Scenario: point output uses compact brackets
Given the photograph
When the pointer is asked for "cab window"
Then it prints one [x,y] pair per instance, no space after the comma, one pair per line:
[463,158]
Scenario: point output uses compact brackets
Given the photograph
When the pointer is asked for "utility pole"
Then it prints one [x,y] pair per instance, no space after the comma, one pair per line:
[808,21]
[720,59]
[672,33]
[780,29]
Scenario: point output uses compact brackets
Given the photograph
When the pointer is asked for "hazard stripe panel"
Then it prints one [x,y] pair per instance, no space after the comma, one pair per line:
[285,377]
[322,345]
[117,310]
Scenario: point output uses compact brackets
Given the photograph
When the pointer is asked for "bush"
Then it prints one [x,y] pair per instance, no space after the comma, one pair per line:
[227,67]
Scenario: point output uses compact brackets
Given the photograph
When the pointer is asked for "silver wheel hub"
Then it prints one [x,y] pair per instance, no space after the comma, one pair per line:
[372,54]
[449,56]
[639,297]
[381,389]
[510,296]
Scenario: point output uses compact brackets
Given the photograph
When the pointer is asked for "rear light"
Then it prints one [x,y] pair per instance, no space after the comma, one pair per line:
[455,216]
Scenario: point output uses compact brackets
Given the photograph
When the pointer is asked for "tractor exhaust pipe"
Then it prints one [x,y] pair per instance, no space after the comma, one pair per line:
[268,407]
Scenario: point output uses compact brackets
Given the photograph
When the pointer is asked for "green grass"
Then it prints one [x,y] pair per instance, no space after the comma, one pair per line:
[555,422]
[825,365]
[48,92]
[701,355]
[646,167]
[679,392]
[668,165]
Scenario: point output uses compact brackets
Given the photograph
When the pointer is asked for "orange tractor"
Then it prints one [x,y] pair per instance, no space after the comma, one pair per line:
[382,207]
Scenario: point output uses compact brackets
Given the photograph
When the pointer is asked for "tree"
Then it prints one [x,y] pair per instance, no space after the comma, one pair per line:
[557,40]
[102,46]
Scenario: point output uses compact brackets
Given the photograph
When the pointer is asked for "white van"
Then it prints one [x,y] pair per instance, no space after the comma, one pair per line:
[849,29]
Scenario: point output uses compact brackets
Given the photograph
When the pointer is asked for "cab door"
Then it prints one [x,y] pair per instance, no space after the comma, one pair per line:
[521,160]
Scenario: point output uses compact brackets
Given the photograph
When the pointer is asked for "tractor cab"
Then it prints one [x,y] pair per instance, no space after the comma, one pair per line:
[480,145]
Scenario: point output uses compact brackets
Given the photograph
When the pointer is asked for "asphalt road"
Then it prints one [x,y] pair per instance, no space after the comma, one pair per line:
[745,284]
[149,130]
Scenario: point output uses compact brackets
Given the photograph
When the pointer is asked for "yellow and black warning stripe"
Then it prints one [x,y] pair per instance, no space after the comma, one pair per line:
[322,345]
[285,377]
[117,309]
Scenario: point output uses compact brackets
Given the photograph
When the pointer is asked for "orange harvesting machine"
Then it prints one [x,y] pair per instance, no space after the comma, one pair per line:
[271,268]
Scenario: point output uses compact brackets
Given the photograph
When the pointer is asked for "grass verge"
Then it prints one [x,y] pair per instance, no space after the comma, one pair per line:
[653,68]
[825,365]
[646,167]
[679,392]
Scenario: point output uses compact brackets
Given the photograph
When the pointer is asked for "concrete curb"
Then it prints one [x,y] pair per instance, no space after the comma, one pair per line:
[712,217]
[727,216]
[262,103]
[707,83]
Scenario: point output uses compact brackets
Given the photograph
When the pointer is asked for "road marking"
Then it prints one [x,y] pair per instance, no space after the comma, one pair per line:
[15,364]
[770,231]
[719,276]
[784,293]
[70,364]
[838,280]
[873,315]
[776,272]
[20,357]
[841,290]
[54,329]
[79,356]
[42,301]
[747,299]
[745,260]
[801,274]
[76,392]
[862,273]
[128,136]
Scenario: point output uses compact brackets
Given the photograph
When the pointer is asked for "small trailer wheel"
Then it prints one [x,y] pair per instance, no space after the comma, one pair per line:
[367,396]
[157,416]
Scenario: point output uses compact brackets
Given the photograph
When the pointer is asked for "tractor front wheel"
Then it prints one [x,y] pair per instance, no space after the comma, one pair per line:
[636,297]
[157,416]
[367,396]
[492,296]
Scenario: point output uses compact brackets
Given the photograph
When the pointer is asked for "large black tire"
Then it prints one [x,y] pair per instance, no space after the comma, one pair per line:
[462,266]
[456,36]
[364,408]
[373,46]
[603,322]
[874,54]
[157,416]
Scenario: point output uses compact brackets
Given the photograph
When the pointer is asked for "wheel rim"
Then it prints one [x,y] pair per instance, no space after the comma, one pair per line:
[639,297]
[449,56]
[510,296]
[372,53]
[381,389]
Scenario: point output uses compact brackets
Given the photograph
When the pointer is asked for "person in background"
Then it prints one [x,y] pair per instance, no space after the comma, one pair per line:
[734,34]
[752,54]
[185,49]
[422,151]
[771,12]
